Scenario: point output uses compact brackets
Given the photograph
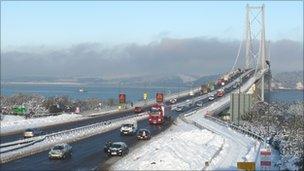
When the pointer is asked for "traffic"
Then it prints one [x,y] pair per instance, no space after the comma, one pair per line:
[96,150]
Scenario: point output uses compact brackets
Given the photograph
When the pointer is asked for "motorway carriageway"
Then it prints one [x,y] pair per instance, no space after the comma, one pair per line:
[75,124]
[88,153]
[79,123]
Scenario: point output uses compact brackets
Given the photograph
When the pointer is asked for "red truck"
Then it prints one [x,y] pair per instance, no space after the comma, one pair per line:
[158,113]
[220,93]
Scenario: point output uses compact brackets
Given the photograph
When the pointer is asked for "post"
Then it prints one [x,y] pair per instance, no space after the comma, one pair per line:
[239,100]
[248,38]
[262,88]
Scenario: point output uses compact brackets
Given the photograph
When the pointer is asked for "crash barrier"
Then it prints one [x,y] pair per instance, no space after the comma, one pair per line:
[235,127]
[67,136]
[15,146]
[23,141]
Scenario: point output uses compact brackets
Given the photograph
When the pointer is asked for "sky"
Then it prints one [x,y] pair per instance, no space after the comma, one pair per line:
[130,38]
[55,23]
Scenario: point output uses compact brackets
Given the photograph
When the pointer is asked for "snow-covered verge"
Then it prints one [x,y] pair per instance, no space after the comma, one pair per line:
[238,147]
[181,147]
[286,131]
[10,118]
[11,123]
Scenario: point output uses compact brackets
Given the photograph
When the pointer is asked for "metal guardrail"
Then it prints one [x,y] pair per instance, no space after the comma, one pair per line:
[18,146]
[12,146]
[67,136]
[235,127]
[17,142]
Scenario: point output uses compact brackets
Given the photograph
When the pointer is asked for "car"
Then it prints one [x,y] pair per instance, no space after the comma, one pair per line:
[117,149]
[32,132]
[188,100]
[128,129]
[138,110]
[191,93]
[60,151]
[179,108]
[211,97]
[107,146]
[199,104]
[235,86]
[143,134]
[172,101]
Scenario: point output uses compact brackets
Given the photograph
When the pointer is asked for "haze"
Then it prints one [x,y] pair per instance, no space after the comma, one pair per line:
[124,39]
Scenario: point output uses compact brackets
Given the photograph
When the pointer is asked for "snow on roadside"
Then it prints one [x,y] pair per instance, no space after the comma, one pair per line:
[10,118]
[181,147]
[12,124]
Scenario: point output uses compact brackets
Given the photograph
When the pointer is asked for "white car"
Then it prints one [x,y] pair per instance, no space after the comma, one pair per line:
[211,97]
[199,104]
[172,101]
[60,151]
[32,132]
[128,129]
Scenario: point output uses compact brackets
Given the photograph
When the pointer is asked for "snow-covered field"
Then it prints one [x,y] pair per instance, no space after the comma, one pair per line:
[181,147]
[11,123]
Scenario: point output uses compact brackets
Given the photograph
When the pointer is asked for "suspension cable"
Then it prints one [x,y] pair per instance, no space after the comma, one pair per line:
[238,54]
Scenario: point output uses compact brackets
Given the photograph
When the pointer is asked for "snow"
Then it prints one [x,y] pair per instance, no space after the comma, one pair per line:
[239,147]
[179,148]
[66,136]
[11,118]
[186,147]
[12,123]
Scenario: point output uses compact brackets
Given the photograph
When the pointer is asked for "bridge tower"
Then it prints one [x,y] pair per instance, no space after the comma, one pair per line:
[255,44]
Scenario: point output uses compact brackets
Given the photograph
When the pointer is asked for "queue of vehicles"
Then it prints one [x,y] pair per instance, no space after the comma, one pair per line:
[158,114]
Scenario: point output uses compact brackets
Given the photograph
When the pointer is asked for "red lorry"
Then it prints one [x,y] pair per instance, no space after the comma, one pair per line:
[158,113]
[220,93]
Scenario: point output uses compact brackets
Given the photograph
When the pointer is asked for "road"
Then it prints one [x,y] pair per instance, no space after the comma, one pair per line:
[88,153]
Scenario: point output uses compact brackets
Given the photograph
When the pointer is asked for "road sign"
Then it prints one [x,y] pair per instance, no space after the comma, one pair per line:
[265,163]
[246,165]
[145,96]
[159,97]
[122,98]
[265,155]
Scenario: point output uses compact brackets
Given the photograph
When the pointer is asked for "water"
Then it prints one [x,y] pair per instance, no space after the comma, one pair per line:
[133,94]
[286,95]
[91,91]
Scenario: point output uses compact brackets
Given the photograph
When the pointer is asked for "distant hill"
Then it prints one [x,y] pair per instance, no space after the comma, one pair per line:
[180,80]
[288,80]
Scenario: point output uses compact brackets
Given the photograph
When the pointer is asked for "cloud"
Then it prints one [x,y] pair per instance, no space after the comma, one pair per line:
[192,56]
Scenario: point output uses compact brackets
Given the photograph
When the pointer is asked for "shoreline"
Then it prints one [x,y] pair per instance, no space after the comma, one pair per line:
[87,85]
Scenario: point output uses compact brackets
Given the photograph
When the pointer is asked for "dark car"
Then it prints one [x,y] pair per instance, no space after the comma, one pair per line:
[32,132]
[179,108]
[143,134]
[107,146]
[199,104]
[117,149]
[138,110]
